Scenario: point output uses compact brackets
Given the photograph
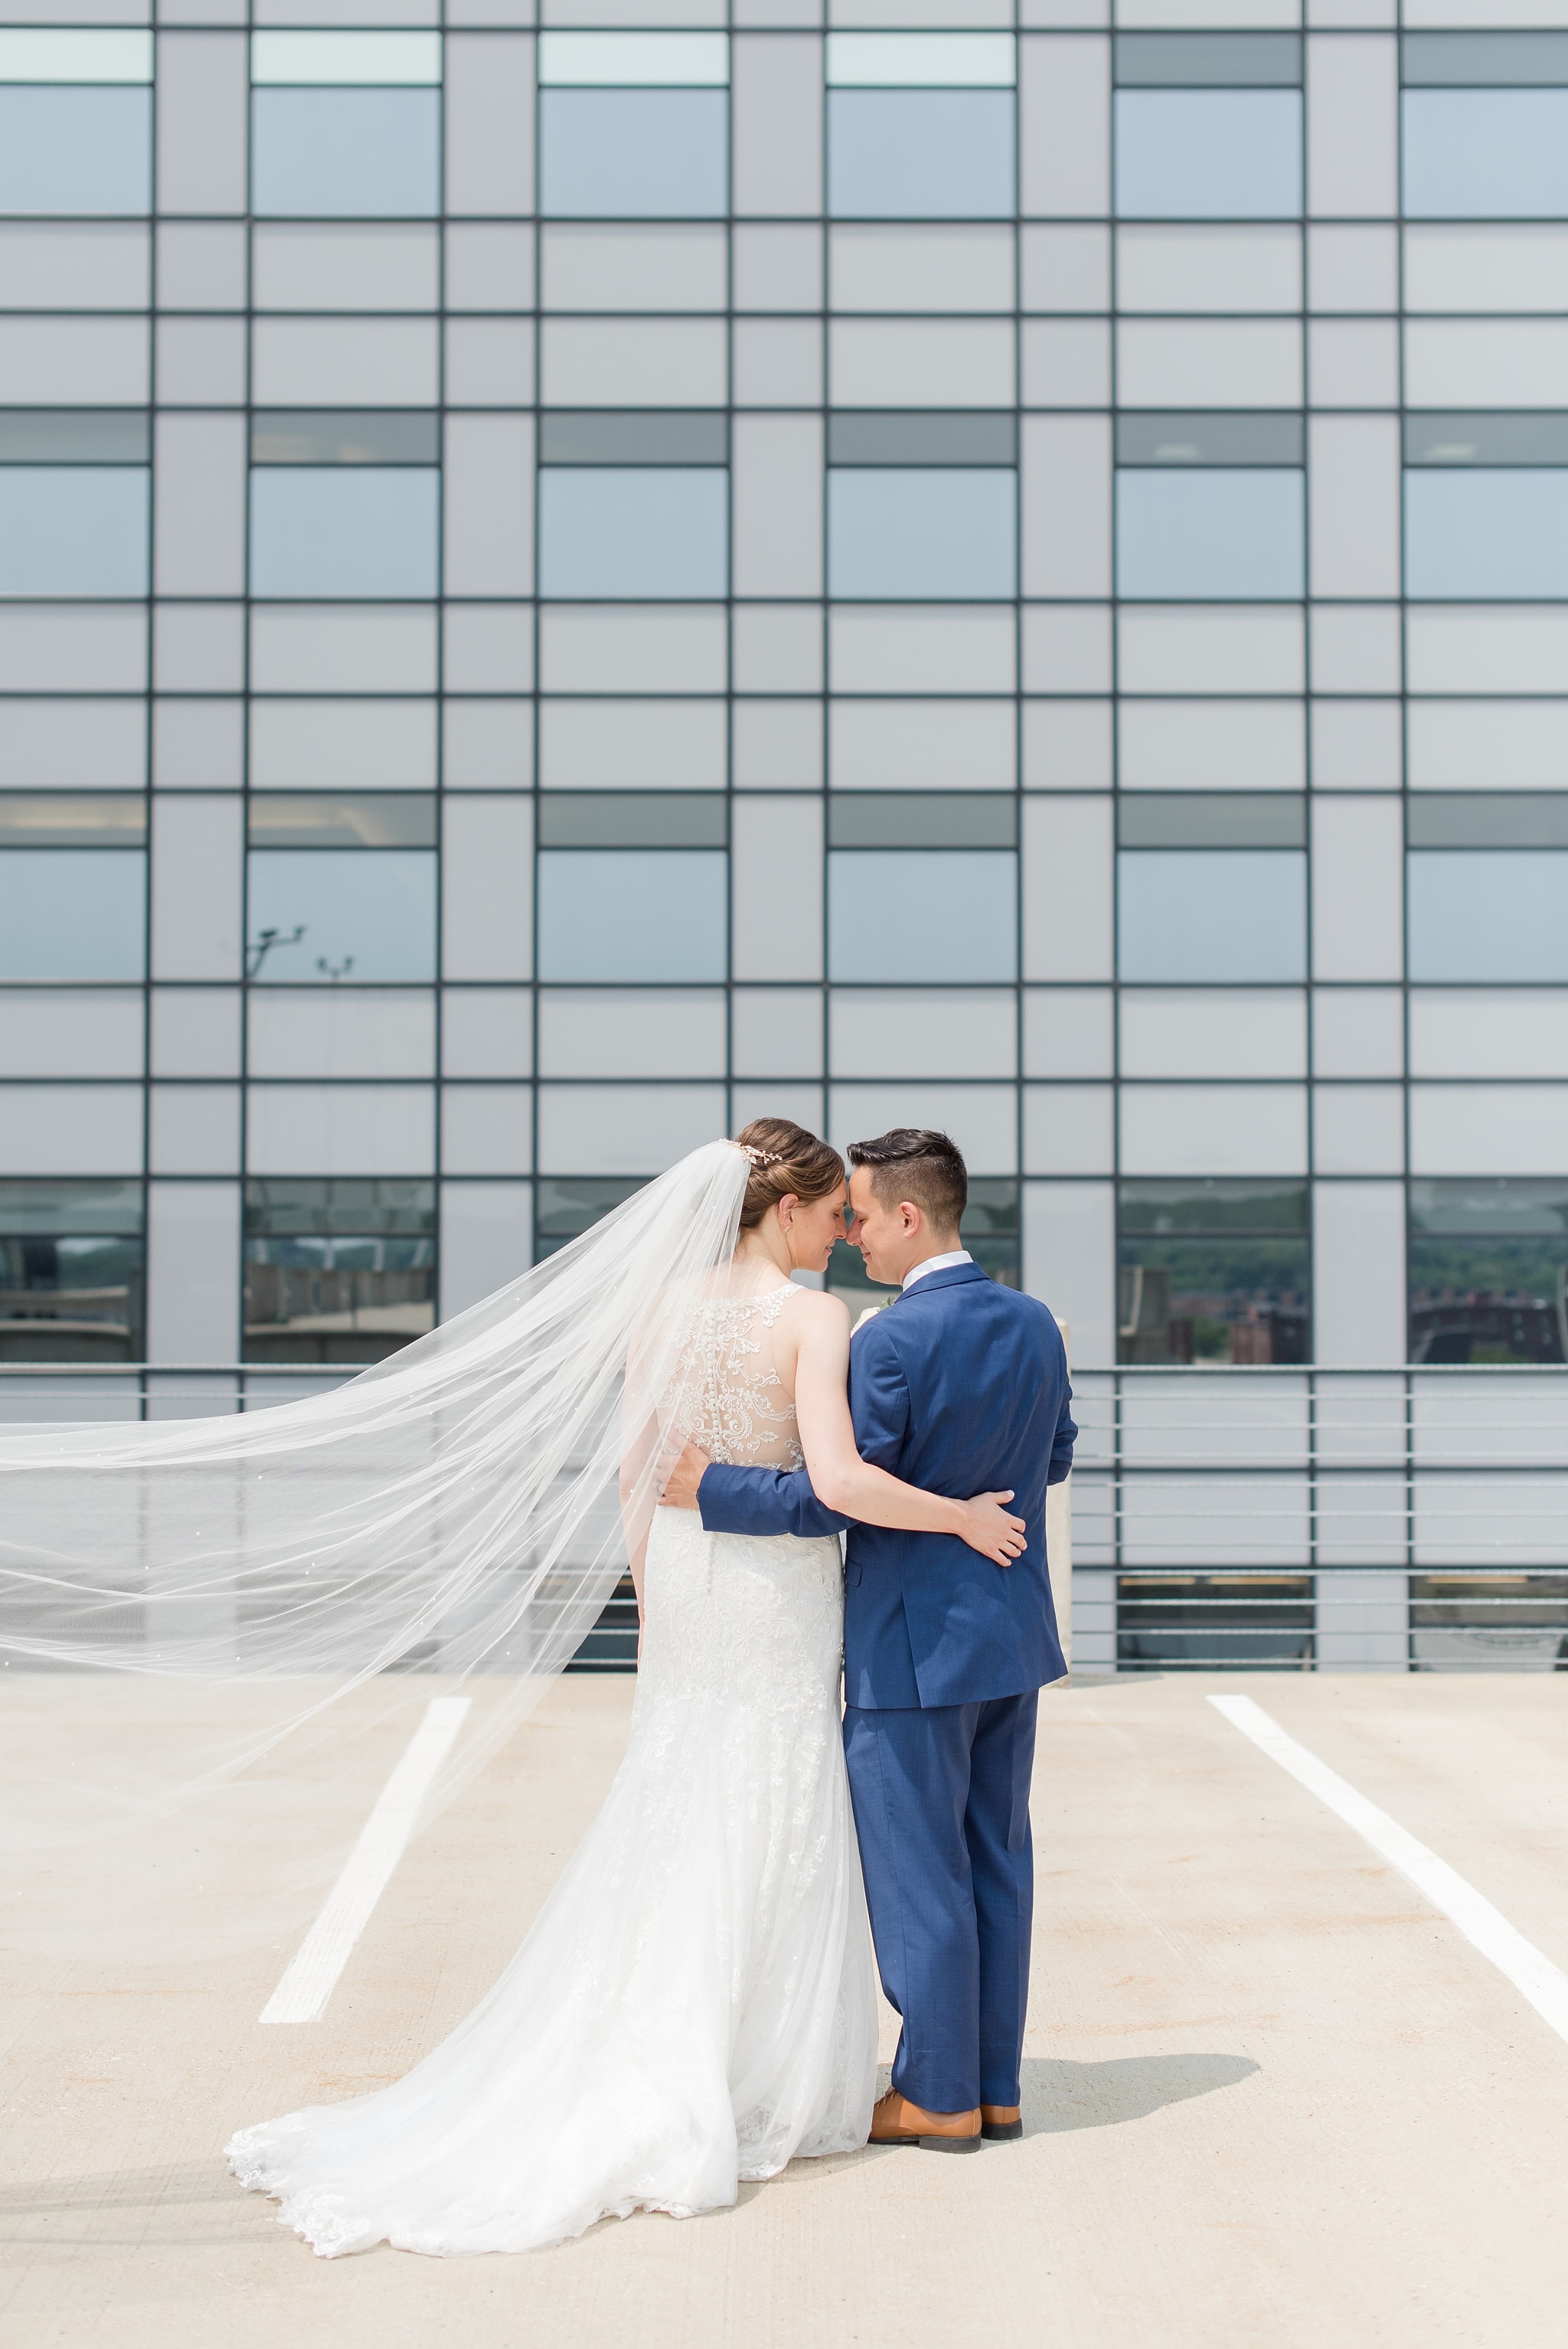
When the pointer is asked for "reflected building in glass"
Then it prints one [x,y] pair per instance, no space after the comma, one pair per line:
[562,585]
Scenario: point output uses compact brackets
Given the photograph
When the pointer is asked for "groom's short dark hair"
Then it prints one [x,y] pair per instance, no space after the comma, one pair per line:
[914,1162]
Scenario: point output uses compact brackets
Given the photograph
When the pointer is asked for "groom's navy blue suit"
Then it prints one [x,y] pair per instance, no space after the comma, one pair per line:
[959,1386]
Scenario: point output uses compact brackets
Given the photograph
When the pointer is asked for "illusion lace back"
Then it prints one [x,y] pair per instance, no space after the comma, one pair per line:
[694,2004]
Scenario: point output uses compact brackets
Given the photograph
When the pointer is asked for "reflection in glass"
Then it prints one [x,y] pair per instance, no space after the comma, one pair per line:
[72,530]
[568,1205]
[1486,154]
[1208,154]
[73,913]
[921,154]
[1211,915]
[1488,914]
[71,1272]
[1206,1622]
[1489,1271]
[339,913]
[1213,1271]
[633,914]
[1210,532]
[1489,1622]
[337,1271]
[346,154]
[634,154]
[344,530]
[922,531]
[898,916]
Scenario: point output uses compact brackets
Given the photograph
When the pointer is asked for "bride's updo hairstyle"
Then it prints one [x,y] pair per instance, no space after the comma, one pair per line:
[788,1159]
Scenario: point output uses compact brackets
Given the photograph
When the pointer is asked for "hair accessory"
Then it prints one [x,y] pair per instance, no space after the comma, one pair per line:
[760,1157]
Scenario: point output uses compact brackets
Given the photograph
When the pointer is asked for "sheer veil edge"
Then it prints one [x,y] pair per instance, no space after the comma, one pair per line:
[274,1597]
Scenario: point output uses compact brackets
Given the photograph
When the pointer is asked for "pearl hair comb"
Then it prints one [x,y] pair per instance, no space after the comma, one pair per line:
[760,1157]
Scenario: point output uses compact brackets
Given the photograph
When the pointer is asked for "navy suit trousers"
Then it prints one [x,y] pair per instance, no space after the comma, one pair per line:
[941,1810]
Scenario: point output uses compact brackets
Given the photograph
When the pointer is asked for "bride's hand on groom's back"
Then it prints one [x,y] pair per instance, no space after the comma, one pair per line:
[991,1529]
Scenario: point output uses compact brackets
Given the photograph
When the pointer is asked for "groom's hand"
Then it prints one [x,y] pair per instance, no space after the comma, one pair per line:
[680,1491]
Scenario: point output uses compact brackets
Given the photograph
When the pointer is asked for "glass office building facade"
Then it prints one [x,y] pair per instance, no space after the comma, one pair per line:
[564,586]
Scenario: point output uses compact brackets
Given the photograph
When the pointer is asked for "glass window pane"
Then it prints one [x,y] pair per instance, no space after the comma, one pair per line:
[906,917]
[1215,437]
[632,820]
[72,913]
[634,154]
[1208,154]
[1484,533]
[72,530]
[69,1293]
[75,435]
[1208,60]
[1211,819]
[1212,915]
[924,154]
[73,819]
[1489,1271]
[361,913]
[683,60]
[358,530]
[1469,60]
[334,154]
[353,58]
[914,60]
[1216,1271]
[387,435]
[630,913]
[75,150]
[35,54]
[342,820]
[922,532]
[1489,914]
[631,530]
[1210,534]
[337,1271]
[1486,154]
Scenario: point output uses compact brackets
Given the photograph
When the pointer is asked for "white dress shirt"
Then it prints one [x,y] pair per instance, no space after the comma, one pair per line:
[936,1264]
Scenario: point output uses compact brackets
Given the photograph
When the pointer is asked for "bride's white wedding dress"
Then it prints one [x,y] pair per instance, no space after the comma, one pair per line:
[694,2004]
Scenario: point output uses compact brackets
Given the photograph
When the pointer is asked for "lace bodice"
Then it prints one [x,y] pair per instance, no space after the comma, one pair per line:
[735,1405]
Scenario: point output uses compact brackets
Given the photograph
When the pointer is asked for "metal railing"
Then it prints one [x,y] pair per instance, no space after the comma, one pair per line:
[1294,1517]
[1407,1518]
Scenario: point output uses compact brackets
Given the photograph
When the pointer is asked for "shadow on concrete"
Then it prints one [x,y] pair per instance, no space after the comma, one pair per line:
[1059,2094]
[119,2208]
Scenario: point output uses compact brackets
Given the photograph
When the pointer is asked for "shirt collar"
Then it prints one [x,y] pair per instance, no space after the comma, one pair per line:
[936,1264]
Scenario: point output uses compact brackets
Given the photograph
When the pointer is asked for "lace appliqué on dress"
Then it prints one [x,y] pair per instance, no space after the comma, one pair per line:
[735,1404]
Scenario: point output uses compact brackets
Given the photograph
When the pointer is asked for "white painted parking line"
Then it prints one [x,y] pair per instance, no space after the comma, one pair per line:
[1532,1974]
[313,1971]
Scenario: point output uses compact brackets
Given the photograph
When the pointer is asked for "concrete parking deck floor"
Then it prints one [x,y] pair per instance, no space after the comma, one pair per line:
[1270,2096]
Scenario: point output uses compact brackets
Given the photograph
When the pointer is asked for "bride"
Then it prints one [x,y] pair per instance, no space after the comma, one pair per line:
[694,2004]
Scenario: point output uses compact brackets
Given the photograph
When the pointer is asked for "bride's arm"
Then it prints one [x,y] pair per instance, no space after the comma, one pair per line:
[841,1480]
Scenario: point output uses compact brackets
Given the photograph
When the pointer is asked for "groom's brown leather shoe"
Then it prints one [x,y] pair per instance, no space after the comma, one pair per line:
[1001,2121]
[896,2121]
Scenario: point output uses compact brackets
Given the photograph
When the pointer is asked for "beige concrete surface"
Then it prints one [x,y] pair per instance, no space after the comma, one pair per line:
[1270,2098]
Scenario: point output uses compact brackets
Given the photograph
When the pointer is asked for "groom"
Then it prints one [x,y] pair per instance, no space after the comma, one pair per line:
[960,1386]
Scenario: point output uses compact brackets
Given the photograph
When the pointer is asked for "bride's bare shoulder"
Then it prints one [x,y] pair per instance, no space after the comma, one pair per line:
[817,1308]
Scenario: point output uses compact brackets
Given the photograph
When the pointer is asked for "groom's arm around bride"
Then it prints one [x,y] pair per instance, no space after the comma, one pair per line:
[960,1386]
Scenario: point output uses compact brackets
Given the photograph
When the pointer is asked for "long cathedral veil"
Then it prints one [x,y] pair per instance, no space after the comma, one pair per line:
[203,1621]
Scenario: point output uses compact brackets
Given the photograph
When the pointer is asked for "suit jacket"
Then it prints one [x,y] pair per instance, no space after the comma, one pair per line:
[960,1386]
